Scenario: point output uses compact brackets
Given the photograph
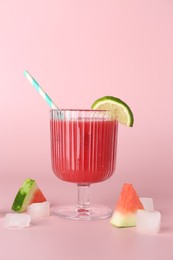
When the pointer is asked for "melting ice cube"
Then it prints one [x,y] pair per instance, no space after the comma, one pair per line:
[147,203]
[148,221]
[37,210]
[20,220]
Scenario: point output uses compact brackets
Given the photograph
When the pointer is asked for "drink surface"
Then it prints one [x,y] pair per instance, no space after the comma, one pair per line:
[83,151]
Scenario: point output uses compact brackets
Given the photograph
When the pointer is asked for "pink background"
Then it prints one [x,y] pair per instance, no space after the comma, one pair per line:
[80,51]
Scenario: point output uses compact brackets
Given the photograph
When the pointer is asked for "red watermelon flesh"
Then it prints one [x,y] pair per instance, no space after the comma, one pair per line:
[127,205]
[38,197]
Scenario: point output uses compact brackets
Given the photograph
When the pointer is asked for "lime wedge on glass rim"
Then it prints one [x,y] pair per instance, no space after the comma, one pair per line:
[119,109]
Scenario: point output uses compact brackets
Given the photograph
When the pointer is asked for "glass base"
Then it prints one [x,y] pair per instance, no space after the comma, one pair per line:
[95,212]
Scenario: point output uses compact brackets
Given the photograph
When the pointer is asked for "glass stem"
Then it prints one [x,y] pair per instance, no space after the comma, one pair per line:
[83,196]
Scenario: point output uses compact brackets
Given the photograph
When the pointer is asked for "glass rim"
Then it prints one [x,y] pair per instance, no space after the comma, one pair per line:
[80,110]
[76,113]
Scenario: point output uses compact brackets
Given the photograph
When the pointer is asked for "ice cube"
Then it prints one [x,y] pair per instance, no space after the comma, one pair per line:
[148,221]
[20,220]
[37,210]
[147,203]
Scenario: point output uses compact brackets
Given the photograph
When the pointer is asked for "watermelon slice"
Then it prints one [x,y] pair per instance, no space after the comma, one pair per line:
[28,193]
[127,205]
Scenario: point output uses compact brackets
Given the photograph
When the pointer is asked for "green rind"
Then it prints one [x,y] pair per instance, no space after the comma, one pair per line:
[118,101]
[18,204]
[123,220]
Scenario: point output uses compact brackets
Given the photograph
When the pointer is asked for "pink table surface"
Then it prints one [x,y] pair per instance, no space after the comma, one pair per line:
[58,238]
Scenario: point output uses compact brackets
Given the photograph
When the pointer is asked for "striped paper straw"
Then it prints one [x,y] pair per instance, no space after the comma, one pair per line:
[44,95]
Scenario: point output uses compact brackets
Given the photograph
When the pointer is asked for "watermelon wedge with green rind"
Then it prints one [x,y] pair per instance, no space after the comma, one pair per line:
[28,193]
[126,208]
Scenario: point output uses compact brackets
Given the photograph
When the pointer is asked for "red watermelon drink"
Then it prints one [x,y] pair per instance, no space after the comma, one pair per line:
[83,151]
